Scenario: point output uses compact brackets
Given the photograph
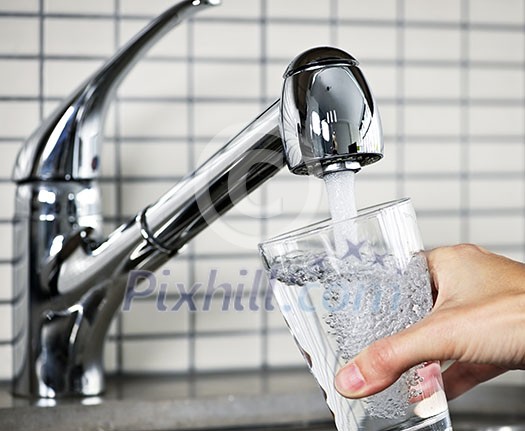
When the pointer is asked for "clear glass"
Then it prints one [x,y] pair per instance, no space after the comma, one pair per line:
[342,286]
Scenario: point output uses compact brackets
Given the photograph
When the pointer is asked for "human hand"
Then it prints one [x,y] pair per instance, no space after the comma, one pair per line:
[478,321]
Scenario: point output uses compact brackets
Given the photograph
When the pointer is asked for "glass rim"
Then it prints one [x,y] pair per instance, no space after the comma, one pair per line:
[326,224]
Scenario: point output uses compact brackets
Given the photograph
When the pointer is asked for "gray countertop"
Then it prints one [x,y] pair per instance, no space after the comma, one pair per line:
[223,401]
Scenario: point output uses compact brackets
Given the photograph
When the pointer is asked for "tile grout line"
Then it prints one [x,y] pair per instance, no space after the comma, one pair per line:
[523,129]
[464,225]
[281,20]
[422,62]
[400,99]
[265,348]
[41,60]
[192,264]
[119,321]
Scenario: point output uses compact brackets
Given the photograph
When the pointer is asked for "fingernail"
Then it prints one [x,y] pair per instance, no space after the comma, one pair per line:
[349,379]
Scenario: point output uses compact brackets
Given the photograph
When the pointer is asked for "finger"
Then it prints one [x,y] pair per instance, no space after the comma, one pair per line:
[460,377]
[381,363]
[429,255]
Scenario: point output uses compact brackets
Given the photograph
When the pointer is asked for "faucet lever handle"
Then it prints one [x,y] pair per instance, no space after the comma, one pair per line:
[66,145]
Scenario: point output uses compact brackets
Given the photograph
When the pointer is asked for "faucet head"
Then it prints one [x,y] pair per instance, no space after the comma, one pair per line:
[329,119]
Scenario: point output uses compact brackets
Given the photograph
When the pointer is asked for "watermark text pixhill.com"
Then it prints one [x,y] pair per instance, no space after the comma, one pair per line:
[249,292]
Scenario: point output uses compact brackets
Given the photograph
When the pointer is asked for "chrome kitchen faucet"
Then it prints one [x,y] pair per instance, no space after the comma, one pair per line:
[69,281]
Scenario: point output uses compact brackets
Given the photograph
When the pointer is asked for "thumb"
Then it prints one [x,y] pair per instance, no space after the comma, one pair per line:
[382,363]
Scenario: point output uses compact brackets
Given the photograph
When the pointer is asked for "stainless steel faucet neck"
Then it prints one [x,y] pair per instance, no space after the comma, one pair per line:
[69,281]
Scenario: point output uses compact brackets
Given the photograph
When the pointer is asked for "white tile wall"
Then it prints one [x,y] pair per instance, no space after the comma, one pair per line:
[6,279]
[297,37]
[62,77]
[383,80]
[481,157]
[431,82]
[156,79]
[451,90]
[381,10]
[486,83]
[164,118]
[138,7]
[208,123]
[156,355]
[427,196]
[79,8]
[18,6]
[237,80]
[499,230]
[18,77]
[425,43]
[449,11]
[384,47]
[433,121]
[236,39]
[19,35]
[486,11]
[440,230]
[219,321]
[496,193]
[9,152]
[487,45]
[229,236]
[295,9]
[227,352]
[159,320]
[87,37]
[432,158]
[282,350]
[18,116]
[499,121]
[137,163]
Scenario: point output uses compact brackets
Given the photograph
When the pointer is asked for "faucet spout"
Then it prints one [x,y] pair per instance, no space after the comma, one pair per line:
[69,280]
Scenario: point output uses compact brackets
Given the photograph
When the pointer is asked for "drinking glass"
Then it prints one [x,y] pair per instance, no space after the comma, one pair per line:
[340,287]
